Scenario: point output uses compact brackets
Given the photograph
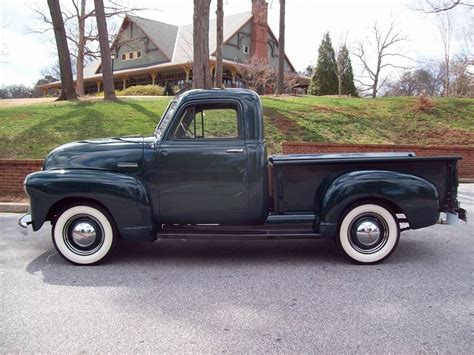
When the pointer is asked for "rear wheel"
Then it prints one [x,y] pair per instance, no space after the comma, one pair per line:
[368,233]
[84,234]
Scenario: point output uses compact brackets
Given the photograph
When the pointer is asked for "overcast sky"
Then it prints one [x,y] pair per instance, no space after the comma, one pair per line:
[24,55]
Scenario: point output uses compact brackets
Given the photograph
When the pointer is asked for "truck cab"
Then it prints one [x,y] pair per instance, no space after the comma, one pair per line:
[212,159]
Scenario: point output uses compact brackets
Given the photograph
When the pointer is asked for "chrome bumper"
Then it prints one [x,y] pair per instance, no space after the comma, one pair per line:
[24,223]
[454,216]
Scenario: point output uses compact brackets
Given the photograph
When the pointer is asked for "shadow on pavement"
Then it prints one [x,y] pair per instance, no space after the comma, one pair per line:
[134,264]
[131,261]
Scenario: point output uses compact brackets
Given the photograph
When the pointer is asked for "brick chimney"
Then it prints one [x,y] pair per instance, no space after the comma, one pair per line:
[259,44]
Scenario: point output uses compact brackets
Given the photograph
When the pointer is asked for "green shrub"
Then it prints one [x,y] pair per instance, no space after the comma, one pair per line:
[142,90]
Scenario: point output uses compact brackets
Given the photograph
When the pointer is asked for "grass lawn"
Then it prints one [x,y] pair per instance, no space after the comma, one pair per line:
[31,131]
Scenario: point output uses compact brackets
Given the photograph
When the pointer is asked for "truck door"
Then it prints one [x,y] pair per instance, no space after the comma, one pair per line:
[202,166]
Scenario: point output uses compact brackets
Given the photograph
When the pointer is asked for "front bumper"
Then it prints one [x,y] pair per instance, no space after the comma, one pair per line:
[25,224]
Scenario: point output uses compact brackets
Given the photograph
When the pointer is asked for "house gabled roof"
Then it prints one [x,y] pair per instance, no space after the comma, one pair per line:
[163,35]
[184,44]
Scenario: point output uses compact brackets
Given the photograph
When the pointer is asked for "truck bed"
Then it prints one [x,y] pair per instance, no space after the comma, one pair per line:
[296,178]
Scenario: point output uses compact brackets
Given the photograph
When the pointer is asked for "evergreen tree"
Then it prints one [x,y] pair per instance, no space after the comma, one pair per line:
[347,77]
[324,80]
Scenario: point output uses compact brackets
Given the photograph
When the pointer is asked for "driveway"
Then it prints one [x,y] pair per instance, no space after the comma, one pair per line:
[234,296]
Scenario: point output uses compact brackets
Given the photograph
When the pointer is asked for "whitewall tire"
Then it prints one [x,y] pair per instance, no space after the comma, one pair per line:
[368,233]
[84,234]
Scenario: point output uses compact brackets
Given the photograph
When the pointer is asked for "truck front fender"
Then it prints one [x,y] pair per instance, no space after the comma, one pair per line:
[417,198]
[124,196]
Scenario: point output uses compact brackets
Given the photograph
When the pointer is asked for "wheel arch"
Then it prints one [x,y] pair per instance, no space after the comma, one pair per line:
[399,192]
[67,202]
[123,196]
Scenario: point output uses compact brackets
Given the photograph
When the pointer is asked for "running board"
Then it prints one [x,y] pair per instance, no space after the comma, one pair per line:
[232,232]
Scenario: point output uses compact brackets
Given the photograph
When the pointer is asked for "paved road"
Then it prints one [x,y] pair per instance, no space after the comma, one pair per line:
[234,296]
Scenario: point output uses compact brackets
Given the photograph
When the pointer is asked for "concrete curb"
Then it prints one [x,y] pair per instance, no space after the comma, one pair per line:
[13,207]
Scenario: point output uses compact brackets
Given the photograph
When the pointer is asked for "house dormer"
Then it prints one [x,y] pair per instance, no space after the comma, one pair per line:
[141,42]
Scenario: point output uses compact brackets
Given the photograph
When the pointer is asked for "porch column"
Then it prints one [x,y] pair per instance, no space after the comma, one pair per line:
[98,86]
[212,67]
[154,75]
[233,72]
[124,82]
[187,70]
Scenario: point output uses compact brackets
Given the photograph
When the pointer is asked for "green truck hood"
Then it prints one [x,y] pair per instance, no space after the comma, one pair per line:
[115,154]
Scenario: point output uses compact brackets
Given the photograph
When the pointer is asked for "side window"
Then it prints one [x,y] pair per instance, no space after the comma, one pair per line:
[216,121]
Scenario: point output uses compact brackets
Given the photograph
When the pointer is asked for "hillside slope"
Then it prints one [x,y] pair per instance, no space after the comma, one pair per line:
[31,131]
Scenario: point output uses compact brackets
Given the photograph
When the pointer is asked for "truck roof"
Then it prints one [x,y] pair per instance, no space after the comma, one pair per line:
[216,93]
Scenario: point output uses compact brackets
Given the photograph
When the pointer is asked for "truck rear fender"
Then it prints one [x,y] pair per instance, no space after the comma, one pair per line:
[124,196]
[413,196]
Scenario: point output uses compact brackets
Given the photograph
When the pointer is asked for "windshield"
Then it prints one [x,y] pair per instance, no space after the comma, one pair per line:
[160,129]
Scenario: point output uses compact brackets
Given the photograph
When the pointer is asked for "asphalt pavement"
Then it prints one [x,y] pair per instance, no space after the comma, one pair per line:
[234,296]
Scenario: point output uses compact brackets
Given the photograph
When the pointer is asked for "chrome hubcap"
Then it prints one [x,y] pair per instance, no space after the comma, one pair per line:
[368,233]
[83,234]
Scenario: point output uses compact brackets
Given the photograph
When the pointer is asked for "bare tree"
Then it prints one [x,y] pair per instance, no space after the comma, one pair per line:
[220,40]
[462,82]
[106,62]
[201,71]
[437,6]
[258,75]
[75,20]
[81,30]
[262,77]
[384,45]
[445,28]
[420,82]
[341,65]
[81,16]
[281,51]
[67,83]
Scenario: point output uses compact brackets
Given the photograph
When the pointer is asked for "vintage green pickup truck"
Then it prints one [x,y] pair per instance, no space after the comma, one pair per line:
[205,173]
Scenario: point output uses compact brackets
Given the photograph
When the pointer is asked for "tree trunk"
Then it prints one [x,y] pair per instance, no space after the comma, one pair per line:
[447,72]
[220,40]
[377,75]
[281,51]
[106,61]
[201,72]
[67,82]
[80,51]
[339,85]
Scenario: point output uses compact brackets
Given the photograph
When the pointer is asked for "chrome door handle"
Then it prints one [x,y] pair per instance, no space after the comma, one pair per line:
[234,150]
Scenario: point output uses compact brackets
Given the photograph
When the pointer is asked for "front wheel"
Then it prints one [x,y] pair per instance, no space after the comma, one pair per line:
[368,233]
[84,234]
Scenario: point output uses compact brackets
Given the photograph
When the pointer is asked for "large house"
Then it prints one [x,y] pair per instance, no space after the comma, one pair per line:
[151,52]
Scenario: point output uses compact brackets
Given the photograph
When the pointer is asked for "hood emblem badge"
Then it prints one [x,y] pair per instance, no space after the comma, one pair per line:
[127,164]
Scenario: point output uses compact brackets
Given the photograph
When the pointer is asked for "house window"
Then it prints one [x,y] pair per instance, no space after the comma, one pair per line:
[131,55]
[246,49]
